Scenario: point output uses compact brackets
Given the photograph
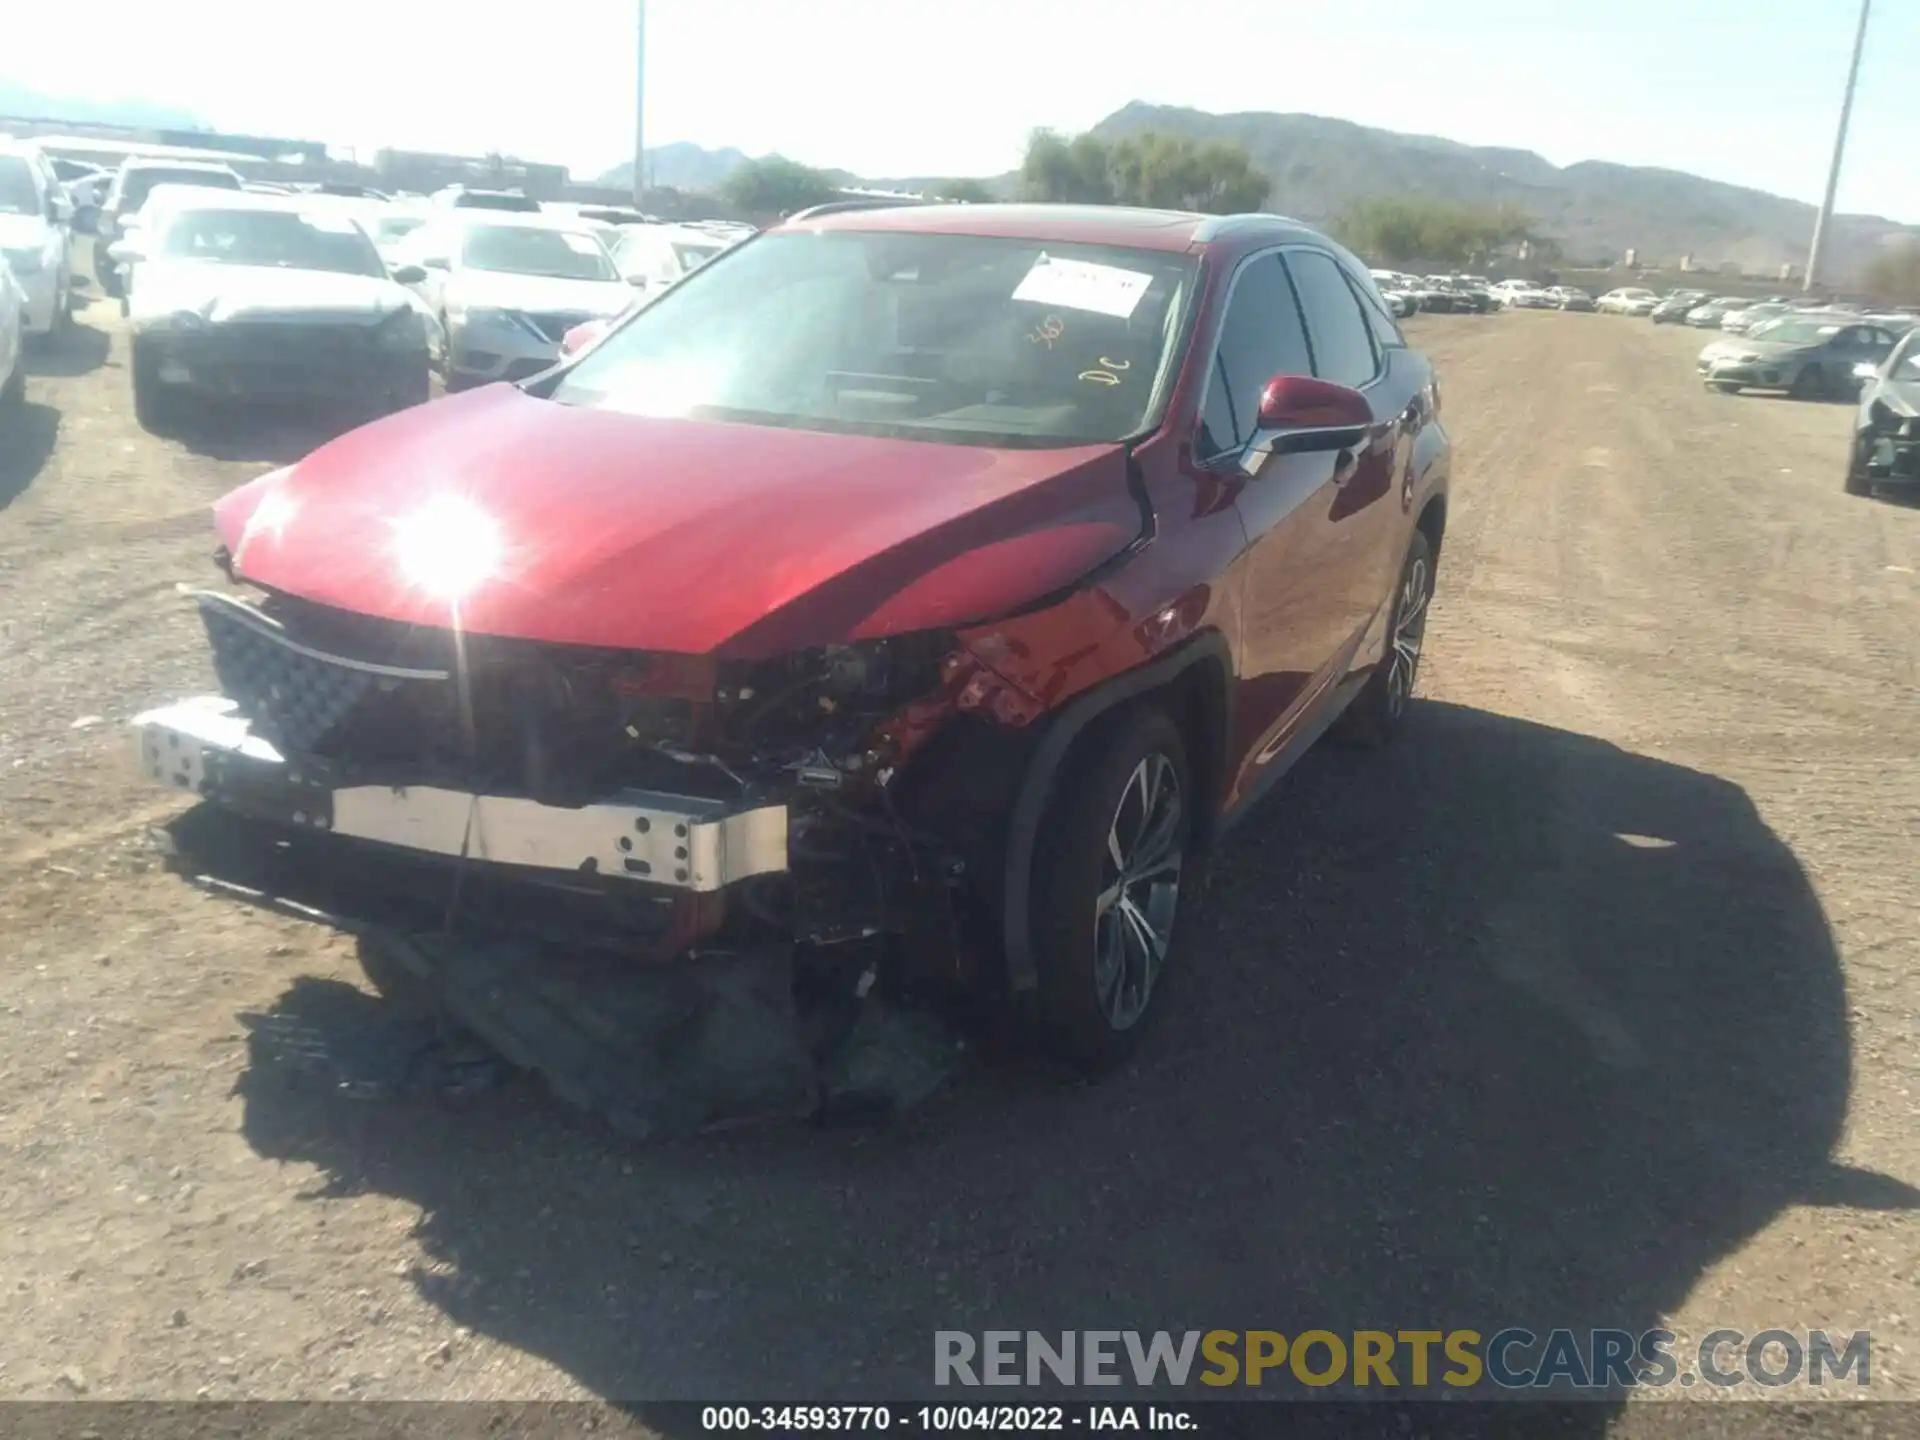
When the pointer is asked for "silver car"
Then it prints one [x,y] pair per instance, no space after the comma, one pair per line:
[507,287]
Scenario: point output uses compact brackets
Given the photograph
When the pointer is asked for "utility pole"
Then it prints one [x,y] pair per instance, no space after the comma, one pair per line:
[1825,216]
[640,106]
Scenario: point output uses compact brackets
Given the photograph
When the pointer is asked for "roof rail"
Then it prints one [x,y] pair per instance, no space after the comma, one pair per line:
[837,207]
[1215,226]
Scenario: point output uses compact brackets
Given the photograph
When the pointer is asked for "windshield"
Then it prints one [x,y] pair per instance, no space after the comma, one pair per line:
[1793,331]
[141,183]
[526,250]
[963,339]
[279,238]
[388,228]
[17,194]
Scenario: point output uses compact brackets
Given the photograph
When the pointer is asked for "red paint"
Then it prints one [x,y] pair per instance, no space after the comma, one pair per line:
[736,540]
[680,535]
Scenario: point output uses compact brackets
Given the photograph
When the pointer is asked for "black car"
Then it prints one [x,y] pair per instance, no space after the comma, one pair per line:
[1886,431]
[1673,310]
[242,297]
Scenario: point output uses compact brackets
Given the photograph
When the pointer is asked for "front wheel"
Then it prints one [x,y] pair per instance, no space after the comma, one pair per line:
[1809,384]
[1377,711]
[1858,482]
[1107,884]
[155,407]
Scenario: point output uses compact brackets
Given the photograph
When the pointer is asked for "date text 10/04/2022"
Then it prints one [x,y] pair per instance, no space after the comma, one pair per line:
[921,1419]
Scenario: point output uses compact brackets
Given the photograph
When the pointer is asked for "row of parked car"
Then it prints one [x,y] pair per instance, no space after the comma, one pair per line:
[1813,350]
[1474,294]
[338,295]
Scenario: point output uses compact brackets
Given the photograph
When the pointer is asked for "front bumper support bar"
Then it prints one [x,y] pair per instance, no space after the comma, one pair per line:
[204,746]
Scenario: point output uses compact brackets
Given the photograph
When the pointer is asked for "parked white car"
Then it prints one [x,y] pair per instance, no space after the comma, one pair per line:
[506,288]
[653,257]
[13,378]
[1628,300]
[36,236]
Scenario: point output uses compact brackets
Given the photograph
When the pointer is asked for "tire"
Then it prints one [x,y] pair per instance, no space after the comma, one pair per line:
[1809,384]
[1103,967]
[1858,482]
[154,407]
[14,393]
[1378,711]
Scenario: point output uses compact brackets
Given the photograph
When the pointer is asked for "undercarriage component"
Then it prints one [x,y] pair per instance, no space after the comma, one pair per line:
[720,1035]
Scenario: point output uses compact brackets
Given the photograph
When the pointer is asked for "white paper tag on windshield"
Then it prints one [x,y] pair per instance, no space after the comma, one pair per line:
[329,222]
[580,244]
[1083,285]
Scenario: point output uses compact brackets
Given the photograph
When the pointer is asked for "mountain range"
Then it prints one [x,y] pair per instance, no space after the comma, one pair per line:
[1596,209]
[24,101]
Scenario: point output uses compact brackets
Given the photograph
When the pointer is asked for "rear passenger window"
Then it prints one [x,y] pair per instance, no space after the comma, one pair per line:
[1343,349]
[1386,334]
[1262,337]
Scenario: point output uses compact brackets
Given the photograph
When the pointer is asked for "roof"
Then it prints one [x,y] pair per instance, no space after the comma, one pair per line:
[211,198]
[1139,229]
[168,162]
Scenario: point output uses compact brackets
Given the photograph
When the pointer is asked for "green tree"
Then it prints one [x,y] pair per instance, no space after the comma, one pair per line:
[1168,172]
[1895,275]
[1405,229]
[776,186]
[1074,171]
[971,192]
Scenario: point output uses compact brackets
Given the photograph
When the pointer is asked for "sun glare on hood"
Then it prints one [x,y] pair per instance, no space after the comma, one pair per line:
[448,547]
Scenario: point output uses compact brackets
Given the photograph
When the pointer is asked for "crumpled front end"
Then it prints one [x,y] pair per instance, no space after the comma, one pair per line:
[1889,439]
[512,806]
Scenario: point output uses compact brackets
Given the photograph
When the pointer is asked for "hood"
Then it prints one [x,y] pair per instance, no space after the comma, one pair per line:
[1900,396]
[240,292]
[1759,349]
[22,232]
[580,526]
[536,293]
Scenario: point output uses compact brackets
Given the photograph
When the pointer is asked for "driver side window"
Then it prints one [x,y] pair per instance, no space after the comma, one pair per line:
[1263,336]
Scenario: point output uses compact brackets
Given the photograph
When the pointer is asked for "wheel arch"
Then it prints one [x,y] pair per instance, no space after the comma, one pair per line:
[1194,681]
[1433,524]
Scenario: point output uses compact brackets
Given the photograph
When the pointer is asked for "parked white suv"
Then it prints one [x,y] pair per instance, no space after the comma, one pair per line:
[1628,300]
[36,235]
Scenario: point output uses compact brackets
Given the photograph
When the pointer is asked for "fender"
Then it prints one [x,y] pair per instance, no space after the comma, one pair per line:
[1036,788]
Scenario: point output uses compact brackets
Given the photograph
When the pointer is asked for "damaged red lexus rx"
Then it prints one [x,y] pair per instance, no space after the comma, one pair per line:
[898,606]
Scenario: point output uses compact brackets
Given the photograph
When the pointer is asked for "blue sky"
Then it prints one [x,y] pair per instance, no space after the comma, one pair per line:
[1741,90]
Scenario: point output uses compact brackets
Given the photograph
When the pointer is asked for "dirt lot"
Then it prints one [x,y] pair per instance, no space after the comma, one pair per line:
[1591,1003]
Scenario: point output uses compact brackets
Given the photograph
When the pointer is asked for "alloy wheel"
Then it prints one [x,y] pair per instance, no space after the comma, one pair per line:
[1140,891]
[1409,632]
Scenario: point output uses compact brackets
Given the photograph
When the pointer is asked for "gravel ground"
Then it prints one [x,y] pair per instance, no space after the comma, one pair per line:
[1592,1003]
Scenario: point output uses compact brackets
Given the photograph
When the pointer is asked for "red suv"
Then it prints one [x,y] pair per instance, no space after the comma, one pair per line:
[908,597]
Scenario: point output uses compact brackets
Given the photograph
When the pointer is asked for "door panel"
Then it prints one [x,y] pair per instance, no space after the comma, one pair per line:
[1292,602]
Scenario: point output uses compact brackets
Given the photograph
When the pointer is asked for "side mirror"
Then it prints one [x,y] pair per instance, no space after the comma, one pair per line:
[126,252]
[410,274]
[581,336]
[638,282]
[436,263]
[1300,414]
[60,208]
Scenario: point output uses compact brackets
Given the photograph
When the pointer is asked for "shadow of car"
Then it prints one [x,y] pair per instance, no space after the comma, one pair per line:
[28,433]
[1503,1026]
[78,349]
